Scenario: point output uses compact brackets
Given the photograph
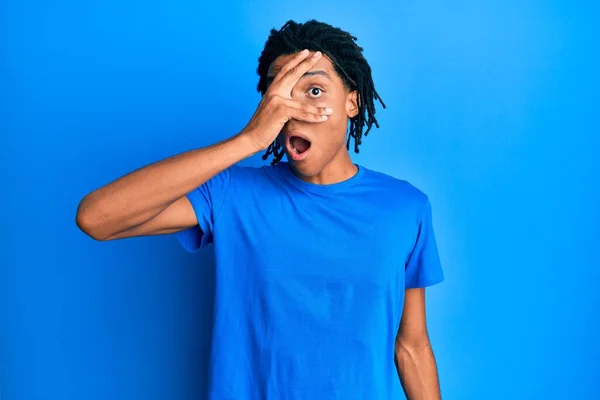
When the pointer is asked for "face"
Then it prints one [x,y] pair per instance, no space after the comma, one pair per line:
[321,86]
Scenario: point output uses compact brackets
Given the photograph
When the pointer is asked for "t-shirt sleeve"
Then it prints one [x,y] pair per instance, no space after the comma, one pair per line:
[423,267]
[207,201]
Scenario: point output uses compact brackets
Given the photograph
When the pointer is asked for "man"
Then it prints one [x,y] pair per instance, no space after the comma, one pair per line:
[321,263]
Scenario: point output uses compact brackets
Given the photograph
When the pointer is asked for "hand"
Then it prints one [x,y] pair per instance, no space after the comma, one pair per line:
[277,106]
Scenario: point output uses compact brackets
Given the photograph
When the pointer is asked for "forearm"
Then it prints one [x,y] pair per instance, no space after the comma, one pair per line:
[417,371]
[142,194]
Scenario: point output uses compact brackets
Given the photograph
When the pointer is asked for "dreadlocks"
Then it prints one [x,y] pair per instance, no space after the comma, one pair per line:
[348,61]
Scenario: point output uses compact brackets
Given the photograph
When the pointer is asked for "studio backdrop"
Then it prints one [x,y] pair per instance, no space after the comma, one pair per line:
[492,110]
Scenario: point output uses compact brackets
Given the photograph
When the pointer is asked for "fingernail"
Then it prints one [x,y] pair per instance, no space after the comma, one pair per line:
[317,54]
[304,52]
[323,117]
[329,110]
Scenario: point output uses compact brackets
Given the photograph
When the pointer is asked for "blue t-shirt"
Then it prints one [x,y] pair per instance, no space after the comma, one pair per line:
[310,280]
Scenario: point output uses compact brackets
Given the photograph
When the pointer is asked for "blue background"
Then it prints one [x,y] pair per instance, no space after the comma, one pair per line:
[492,111]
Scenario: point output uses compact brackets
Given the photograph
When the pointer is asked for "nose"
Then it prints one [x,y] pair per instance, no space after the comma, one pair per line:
[291,125]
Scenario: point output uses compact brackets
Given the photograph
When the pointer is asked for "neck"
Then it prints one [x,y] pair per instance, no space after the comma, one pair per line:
[338,169]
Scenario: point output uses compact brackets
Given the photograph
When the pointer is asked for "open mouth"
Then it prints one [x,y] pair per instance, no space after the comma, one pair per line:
[299,145]
[298,148]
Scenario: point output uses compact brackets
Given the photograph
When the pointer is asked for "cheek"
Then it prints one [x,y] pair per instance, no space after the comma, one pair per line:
[332,132]
[338,121]
[339,111]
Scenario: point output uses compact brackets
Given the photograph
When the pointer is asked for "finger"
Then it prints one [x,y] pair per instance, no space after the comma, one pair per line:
[287,82]
[303,106]
[292,63]
[305,116]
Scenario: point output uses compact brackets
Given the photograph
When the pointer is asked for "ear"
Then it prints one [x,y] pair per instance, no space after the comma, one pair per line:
[352,104]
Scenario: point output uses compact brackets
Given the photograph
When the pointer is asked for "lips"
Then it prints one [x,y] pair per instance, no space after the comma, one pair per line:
[298,145]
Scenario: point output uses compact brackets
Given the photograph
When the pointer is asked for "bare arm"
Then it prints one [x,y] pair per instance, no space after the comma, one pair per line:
[414,357]
[151,200]
[127,206]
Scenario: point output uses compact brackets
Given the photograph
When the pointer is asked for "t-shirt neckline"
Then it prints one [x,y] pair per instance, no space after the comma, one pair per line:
[317,188]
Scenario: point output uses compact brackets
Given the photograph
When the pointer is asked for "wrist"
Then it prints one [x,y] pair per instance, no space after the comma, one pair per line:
[251,142]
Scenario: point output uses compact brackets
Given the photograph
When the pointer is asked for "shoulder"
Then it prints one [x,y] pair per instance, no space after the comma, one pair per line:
[400,189]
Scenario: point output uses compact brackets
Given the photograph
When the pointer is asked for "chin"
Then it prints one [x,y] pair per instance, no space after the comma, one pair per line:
[306,168]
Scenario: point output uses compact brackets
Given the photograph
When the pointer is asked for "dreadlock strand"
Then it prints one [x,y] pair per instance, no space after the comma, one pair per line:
[348,60]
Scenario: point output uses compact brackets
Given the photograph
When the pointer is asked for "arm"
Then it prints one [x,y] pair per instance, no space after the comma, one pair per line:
[151,200]
[414,357]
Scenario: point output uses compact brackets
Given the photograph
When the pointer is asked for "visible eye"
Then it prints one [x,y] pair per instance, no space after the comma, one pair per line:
[315,92]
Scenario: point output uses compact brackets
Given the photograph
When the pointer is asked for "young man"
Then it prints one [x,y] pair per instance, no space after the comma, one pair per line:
[321,263]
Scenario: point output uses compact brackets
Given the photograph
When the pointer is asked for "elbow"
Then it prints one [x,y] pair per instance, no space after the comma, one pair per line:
[88,221]
[411,353]
[413,345]
[85,224]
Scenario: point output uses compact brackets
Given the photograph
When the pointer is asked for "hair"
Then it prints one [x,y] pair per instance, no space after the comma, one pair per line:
[349,63]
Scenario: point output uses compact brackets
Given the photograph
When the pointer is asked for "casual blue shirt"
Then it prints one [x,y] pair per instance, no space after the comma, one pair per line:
[310,280]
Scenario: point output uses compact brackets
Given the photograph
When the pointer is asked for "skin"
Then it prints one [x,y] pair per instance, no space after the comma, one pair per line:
[414,358]
[151,200]
[329,161]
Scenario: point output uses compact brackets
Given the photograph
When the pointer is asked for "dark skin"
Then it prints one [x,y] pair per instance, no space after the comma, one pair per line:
[414,358]
[330,162]
[151,200]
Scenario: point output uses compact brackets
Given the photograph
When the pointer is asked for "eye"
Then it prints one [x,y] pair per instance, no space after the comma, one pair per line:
[315,92]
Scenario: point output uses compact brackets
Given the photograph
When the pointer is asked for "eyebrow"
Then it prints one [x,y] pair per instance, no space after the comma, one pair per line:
[309,73]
